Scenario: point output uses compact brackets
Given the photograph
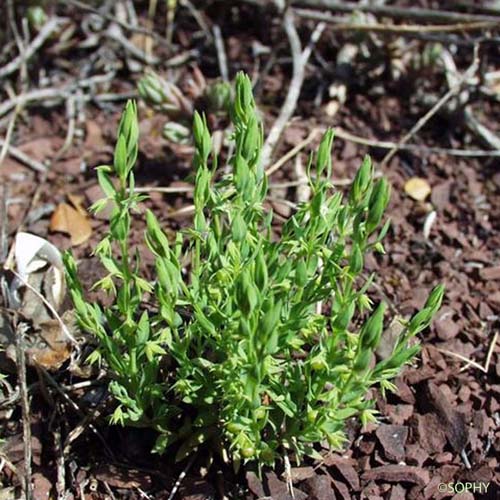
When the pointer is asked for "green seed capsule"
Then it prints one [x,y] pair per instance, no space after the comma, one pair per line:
[312,415]
[234,427]
[259,413]
[267,455]
[248,452]
[244,329]
[271,319]
[318,363]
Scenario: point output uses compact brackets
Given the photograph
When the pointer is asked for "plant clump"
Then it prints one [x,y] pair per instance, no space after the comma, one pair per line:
[255,344]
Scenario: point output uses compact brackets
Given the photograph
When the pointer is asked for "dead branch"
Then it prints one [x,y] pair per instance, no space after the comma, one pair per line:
[49,27]
[23,157]
[300,59]
[348,136]
[134,29]
[394,12]
[400,29]
[21,372]
[439,104]
[221,53]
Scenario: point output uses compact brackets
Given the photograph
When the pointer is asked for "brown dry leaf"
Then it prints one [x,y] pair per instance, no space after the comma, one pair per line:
[77,201]
[67,219]
[417,188]
[52,348]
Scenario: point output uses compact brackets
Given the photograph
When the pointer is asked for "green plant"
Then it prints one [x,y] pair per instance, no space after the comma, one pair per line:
[234,344]
[165,97]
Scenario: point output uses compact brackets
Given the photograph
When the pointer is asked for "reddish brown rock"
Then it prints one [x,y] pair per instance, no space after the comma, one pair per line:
[279,489]
[393,440]
[299,474]
[430,433]
[445,325]
[416,455]
[320,488]
[398,474]
[349,473]
[399,414]
[255,484]
[490,273]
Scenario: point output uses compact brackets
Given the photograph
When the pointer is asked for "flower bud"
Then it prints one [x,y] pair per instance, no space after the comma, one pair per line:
[420,321]
[201,136]
[324,158]
[246,294]
[362,360]
[372,329]
[344,317]
[401,357]
[244,102]
[238,228]
[356,260]
[261,274]
[435,298]
[378,203]
[251,140]
[318,363]
[362,181]
[301,273]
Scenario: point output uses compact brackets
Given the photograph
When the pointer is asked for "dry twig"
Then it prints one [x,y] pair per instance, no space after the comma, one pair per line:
[399,29]
[439,104]
[78,410]
[300,59]
[347,136]
[394,12]
[484,368]
[49,27]
[134,29]
[21,373]
[221,53]
[181,477]
[294,151]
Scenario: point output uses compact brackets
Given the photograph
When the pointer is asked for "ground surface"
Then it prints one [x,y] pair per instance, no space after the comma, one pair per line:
[442,426]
